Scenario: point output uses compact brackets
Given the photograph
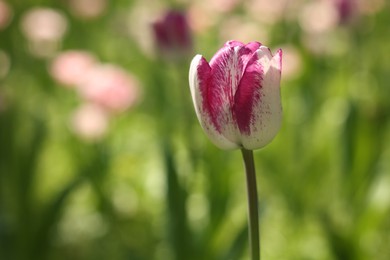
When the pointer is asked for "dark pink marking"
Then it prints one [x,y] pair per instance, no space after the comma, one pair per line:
[219,53]
[220,89]
[210,100]
[245,54]
[216,85]
[253,46]
[248,95]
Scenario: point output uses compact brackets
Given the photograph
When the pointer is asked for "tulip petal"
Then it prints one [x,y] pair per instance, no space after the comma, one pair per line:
[226,71]
[266,112]
[277,61]
[248,94]
[207,102]
[253,46]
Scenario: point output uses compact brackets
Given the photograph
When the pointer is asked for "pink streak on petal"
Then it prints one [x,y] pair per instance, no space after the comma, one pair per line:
[253,46]
[219,53]
[210,103]
[245,54]
[226,70]
[248,94]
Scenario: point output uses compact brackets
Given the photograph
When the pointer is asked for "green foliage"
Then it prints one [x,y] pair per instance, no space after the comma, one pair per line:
[153,187]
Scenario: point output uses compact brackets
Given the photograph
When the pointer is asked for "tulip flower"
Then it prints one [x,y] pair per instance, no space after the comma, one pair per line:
[237,95]
[237,101]
[172,33]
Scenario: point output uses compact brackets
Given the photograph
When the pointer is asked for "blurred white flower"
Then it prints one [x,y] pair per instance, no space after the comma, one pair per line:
[238,27]
[265,11]
[44,28]
[90,122]
[87,9]
[319,16]
[44,24]
[201,17]
[111,87]
[222,6]
[334,43]
[138,21]
[71,67]
[292,62]
[5,15]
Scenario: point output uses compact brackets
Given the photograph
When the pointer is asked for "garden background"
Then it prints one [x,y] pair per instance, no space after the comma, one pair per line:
[102,157]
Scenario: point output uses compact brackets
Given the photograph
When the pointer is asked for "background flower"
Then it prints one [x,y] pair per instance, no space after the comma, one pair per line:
[172,33]
[44,28]
[5,15]
[87,9]
[71,67]
[90,122]
[110,87]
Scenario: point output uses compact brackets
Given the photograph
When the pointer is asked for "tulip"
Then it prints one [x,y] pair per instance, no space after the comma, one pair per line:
[237,101]
[237,95]
[346,10]
[172,33]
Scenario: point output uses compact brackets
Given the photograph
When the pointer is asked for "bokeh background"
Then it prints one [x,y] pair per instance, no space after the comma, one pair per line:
[101,156]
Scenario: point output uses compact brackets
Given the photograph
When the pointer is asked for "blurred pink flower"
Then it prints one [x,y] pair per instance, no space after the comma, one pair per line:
[88,9]
[90,122]
[110,87]
[5,15]
[71,67]
[172,33]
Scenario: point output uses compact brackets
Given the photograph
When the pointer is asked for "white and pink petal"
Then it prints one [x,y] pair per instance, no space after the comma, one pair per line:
[207,106]
[267,113]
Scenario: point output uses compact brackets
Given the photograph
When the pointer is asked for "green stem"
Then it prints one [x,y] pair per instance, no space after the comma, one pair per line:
[254,238]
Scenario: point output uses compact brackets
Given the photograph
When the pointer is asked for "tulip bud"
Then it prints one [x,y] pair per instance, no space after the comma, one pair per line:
[237,95]
[172,34]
